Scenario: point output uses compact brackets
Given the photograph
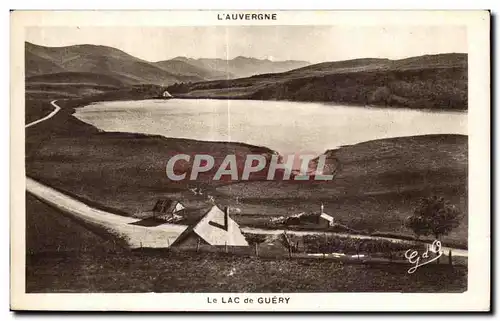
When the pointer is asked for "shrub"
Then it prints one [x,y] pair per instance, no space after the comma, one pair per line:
[434,216]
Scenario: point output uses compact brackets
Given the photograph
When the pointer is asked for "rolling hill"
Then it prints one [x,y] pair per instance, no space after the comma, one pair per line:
[100,60]
[71,84]
[76,78]
[244,66]
[37,65]
[431,81]
[130,70]
[187,69]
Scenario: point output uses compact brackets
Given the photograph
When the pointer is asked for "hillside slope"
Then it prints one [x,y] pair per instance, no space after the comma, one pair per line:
[98,59]
[131,70]
[379,183]
[75,78]
[432,81]
[37,65]
[181,67]
[243,66]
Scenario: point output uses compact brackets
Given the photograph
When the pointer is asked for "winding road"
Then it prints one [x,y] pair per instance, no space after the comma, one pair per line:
[55,111]
[164,234]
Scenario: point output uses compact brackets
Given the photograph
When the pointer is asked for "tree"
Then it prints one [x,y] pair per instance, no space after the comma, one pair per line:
[434,216]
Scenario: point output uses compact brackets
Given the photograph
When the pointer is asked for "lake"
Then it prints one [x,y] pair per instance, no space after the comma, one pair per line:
[286,127]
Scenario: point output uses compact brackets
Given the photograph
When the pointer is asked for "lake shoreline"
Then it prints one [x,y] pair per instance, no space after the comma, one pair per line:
[326,103]
[297,128]
[69,154]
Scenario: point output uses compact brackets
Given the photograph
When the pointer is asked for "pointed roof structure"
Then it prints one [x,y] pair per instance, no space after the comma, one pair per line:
[165,208]
[215,228]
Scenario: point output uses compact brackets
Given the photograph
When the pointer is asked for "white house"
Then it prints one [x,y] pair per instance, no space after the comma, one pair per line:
[214,228]
[325,219]
[166,95]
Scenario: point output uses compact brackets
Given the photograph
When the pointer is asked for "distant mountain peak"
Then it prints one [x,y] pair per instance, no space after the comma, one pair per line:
[182,58]
[245,58]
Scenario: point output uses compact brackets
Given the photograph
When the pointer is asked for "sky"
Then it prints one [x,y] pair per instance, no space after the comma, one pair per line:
[310,43]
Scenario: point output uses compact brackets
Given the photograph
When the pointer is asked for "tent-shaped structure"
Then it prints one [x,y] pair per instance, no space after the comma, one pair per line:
[166,95]
[214,228]
[166,209]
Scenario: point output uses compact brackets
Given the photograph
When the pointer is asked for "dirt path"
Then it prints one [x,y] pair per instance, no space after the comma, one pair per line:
[135,236]
[55,111]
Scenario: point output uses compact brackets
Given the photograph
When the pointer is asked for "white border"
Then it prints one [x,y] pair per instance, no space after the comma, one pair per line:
[477,296]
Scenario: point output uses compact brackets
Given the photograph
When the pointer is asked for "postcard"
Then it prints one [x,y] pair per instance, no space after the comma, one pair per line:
[221,160]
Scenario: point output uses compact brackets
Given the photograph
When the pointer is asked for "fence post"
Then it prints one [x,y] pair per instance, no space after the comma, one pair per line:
[197,245]
[450,261]
[256,249]
[225,245]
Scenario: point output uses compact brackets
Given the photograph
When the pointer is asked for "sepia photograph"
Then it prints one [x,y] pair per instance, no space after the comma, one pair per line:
[248,155]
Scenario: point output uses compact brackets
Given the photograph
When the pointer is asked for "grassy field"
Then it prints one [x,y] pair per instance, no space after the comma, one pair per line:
[219,272]
[377,187]
[36,109]
[119,170]
[63,256]
[48,230]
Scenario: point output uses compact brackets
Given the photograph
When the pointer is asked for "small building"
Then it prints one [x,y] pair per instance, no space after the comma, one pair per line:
[166,95]
[166,209]
[325,220]
[215,228]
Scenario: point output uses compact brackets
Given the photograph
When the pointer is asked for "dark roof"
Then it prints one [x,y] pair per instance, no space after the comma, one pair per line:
[165,206]
[193,221]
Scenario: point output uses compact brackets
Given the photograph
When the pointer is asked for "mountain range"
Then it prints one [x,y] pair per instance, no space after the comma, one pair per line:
[437,81]
[243,66]
[114,65]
